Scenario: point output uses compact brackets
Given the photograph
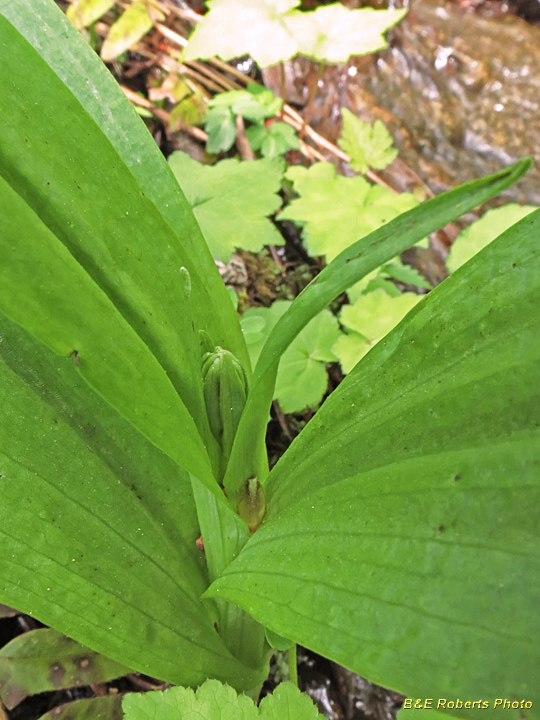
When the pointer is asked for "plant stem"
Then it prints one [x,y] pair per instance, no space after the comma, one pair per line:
[293,669]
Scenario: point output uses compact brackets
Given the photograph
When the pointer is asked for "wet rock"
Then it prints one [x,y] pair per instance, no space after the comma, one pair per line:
[459,92]
[464,91]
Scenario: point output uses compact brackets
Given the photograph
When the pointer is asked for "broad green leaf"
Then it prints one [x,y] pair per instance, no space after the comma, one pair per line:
[332,33]
[369,146]
[349,267]
[401,538]
[42,660]
[126,31]
[102,163]
[84,12]
[221,129]
[220,33]
[232,201]
[98,526]
[53,298]
[334,211]
[214,701]
[302,379]
[108,707]
[475,237]
[367,321]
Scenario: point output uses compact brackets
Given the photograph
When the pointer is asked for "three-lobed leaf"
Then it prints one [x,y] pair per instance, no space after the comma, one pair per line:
[475,237]
[331,34]
[334,211]
[302,380]
[367,321]
[369,146]
[232,201]
[214,701]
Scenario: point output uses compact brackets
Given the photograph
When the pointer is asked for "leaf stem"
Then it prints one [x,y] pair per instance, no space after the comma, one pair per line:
[293,668]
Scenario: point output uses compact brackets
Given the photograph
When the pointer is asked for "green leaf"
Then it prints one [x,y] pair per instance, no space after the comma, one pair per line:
[275,140]
[475,237]
[302,379]
[344,271]
[334,211]
[405,274]
[42,660]
[84,12]
[221,129]
[401,538]
[214,701]
[108,707]
[331,34]
[371,317]
[220,33]
[60,305]
[97,526]
[132,25]
[255,103]
[369,146]
[231,201]
[102,163]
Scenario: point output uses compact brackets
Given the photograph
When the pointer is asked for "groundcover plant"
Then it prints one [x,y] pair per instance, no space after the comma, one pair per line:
[398,535]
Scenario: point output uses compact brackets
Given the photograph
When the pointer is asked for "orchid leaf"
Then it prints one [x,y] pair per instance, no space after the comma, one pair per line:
[415,493]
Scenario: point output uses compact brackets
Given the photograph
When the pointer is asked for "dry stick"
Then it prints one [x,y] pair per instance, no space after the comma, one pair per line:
[163,115]
[282,420]
[242,143]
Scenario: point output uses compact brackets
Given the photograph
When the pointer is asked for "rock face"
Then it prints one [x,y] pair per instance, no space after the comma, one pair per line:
[459,92]
[464,91]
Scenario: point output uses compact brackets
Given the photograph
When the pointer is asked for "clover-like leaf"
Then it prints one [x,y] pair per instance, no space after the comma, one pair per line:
[254,103]
[273,140]
[475,237]
[335,211]
[213,701]
[369,146]
[370,318]
[232,201]
[301,379]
